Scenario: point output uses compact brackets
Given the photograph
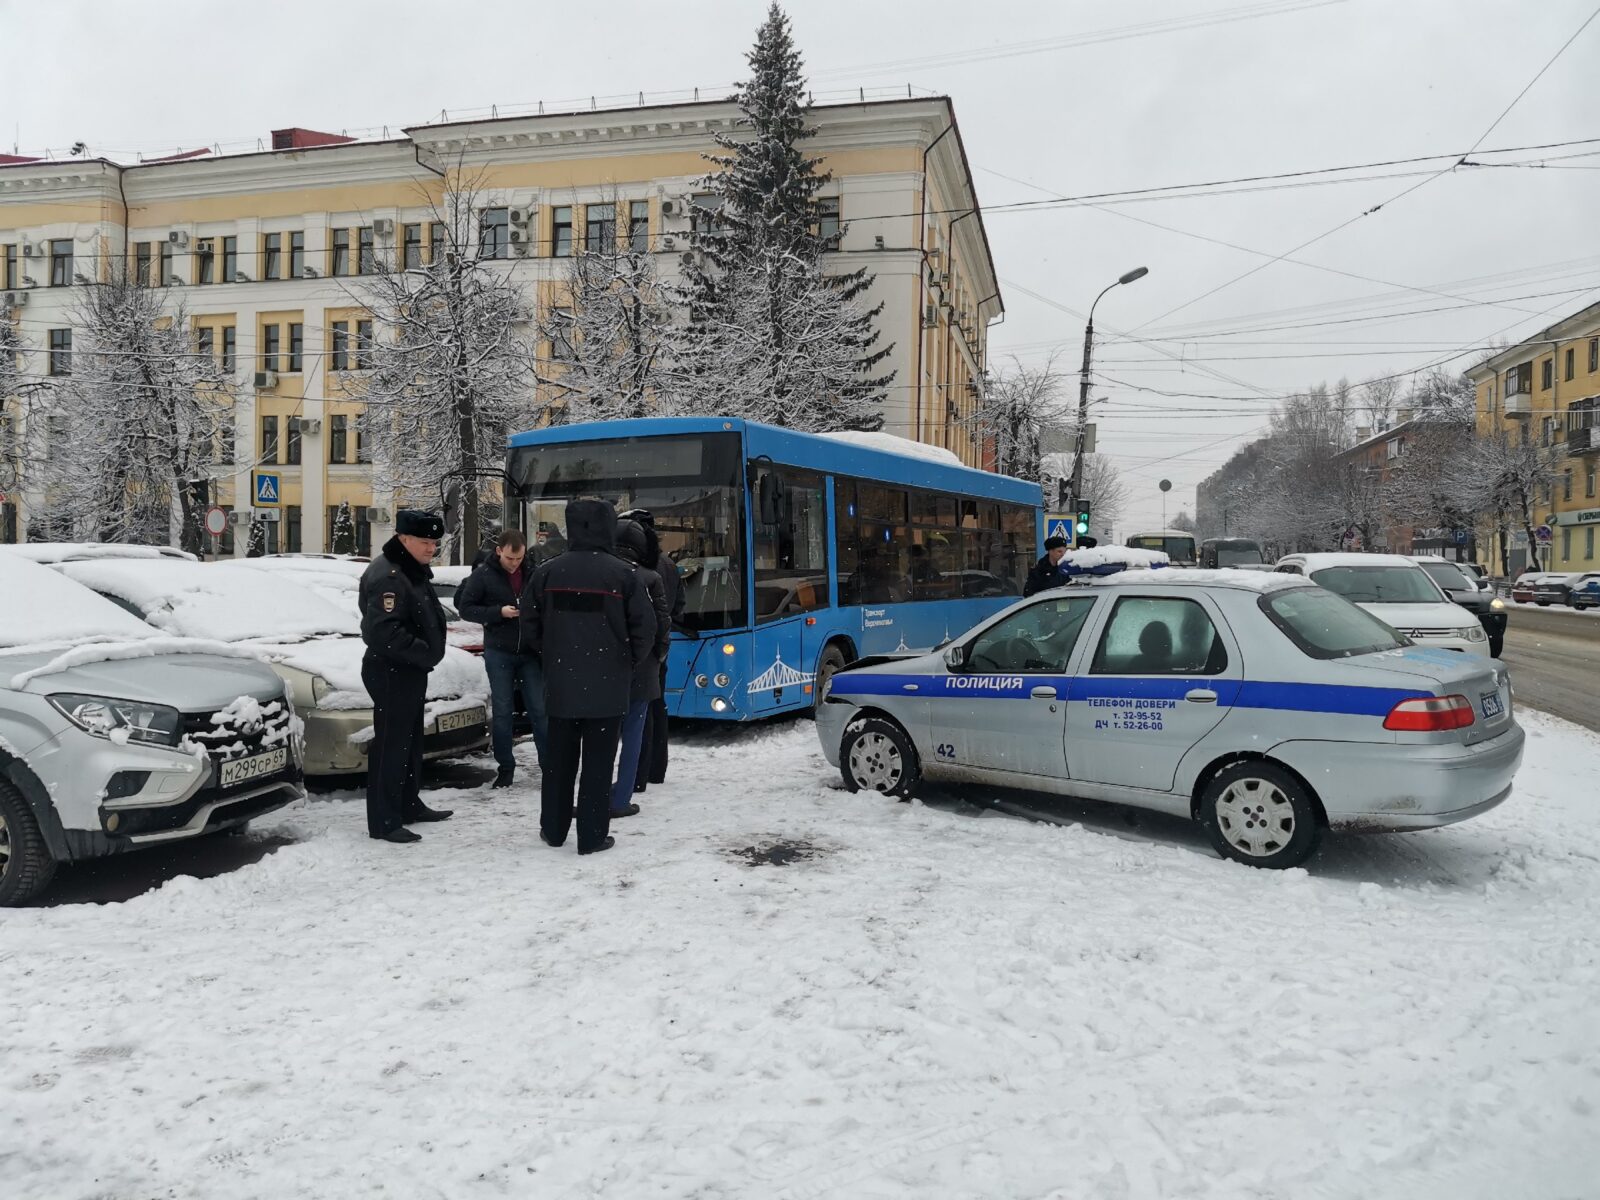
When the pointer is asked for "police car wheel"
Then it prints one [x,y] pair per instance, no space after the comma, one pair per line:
[877,756]
[1259,814]
[25,862]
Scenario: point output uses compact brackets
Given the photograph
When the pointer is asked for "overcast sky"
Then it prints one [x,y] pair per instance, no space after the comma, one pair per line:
[1050,104]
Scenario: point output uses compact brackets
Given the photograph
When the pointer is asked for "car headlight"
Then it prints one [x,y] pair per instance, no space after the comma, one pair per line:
[1474,634]
[305,688]
[121,720]
[1497,605]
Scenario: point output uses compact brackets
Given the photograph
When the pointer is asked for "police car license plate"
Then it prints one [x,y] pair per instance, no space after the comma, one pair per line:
[1492,707]
[242,770]
[460,720]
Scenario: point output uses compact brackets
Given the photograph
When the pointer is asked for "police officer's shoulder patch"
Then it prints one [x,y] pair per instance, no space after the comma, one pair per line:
[388,601]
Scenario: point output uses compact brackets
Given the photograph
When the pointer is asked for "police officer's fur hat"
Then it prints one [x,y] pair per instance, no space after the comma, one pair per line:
[416,523]
[1055,543]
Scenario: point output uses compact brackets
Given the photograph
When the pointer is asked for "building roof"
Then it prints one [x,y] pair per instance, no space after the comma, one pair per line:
[1585,320]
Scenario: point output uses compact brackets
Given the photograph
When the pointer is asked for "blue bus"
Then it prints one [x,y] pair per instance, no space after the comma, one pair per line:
[799,552]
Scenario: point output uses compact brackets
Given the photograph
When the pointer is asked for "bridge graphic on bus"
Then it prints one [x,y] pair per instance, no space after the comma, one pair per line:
[779,675]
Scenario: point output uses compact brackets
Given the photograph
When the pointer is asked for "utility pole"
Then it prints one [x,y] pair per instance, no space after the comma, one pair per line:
[1083,382]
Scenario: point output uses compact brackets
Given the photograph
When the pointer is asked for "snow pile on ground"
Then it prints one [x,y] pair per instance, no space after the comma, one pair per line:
[920,1001]
[893,444]
[40,609]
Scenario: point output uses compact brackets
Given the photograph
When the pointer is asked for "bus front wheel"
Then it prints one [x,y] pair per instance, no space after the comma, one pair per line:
[829,665]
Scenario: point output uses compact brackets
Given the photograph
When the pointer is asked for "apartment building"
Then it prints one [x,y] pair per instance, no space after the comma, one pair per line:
[1546,390]
[269,249]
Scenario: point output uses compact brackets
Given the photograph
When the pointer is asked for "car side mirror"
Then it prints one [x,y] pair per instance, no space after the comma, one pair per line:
[956,657]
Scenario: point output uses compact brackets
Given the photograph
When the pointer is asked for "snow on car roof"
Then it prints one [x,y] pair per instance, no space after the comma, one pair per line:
[1250,581]
[451,575]
[217,601]
[55,552]
[892,444]
[1104,556]
[43,609]
[311,564]
[1317,561]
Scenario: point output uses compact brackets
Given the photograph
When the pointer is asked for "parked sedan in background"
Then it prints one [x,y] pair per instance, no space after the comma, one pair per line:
[1553,588]
[312,642]
[1522,587]
[1394,589]
[1584,591]
[1461,586]
[1263,707]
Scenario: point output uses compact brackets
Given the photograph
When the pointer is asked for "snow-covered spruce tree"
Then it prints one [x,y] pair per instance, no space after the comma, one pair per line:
[343,534]
[256,547]
[770,335]
[451,369]
[609,333]
[123,448]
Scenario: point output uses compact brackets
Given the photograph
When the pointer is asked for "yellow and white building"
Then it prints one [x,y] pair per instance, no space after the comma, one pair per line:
[1546,390]
[268,250]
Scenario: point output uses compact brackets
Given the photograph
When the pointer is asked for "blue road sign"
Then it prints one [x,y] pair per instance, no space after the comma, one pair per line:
[1461,537]
[1060,527]
[267,490]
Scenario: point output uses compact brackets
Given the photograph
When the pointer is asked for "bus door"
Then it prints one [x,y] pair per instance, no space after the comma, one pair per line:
[789,538]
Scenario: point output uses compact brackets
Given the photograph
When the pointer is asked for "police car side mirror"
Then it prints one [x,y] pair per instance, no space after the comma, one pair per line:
[956,657]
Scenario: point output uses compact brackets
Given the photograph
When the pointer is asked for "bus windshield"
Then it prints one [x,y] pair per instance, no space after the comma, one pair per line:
[1178,547]
[691,483]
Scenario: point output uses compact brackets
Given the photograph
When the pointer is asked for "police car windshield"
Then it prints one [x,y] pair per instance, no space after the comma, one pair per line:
[1324,625]
[1379,584]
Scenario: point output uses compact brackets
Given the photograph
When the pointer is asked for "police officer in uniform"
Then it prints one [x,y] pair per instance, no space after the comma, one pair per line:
[403,627]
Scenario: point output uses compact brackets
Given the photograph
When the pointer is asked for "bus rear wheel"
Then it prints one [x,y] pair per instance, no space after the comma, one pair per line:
[829,665]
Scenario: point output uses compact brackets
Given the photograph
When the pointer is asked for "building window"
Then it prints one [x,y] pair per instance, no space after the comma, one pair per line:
[297,346]
[269,347]
[1547,430]
[341,252]
[363,345]
[438,241]
[166,263]
[494,232]
[142,262]
[1594,354]
[292,457]
[269,441]
[828,221]
[1566,484]
[363,453]
[368,262]
[1566,544]
[338,438]
[203,262]
[225,441]
[1570,367]
[230,349]
[272,256]
[61,352]
[1588,481]
[706,210]
[639,226]
[8,269]
[61,262]
[205,342]
[1588,542]
[561,231]
[1547,374]
[230,259]
[600,227]
[411,242]
[561,347]
[341,346]
[291,528]
[297,254]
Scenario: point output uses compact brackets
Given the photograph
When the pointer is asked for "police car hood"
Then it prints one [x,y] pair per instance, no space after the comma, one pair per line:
[1422,616]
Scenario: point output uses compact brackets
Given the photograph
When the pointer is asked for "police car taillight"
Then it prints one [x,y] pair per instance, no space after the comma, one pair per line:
[1430,715]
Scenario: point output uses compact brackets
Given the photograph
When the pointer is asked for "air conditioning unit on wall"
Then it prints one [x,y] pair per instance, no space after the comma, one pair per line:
[266,379]
[305,424]
[178,238]
[383,227]
[375,516]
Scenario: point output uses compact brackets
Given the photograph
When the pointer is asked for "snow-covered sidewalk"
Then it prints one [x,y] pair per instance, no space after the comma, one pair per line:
[939,1003]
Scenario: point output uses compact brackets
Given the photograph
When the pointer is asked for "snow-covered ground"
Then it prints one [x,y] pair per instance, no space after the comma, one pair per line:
[941,1002]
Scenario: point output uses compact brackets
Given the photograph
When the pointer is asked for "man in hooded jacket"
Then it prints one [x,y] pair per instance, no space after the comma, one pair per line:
[633,546]
[403,627]
[653,747]
[589,616]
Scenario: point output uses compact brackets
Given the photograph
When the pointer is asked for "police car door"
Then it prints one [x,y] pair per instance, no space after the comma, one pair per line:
[1163,674]
[1003,709]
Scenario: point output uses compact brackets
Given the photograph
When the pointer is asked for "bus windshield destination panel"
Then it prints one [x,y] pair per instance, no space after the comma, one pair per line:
[798,553]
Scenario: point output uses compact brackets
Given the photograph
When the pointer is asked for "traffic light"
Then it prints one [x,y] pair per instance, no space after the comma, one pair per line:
[1082,523]
[1062,497]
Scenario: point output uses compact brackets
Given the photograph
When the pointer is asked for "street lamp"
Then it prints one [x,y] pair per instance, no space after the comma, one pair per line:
[1083,380]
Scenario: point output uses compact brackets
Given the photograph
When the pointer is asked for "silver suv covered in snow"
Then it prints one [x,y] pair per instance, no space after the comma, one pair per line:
[113,737]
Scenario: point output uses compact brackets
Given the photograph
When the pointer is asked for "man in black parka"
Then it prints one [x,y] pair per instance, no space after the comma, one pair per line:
[403,627]
[591,620]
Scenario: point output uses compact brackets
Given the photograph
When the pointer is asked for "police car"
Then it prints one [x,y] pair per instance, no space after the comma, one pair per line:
[1261,705]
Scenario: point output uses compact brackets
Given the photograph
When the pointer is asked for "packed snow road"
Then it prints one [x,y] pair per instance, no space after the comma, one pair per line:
[914,1000]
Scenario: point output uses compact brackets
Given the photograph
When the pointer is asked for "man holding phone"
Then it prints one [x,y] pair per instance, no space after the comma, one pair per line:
[492,597]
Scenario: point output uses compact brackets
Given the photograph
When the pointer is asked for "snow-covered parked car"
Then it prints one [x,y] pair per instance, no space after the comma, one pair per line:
[1257,704]
[1394,589]
[114,737]
[313,642]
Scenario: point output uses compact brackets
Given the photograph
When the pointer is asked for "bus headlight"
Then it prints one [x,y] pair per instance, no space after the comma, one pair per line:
[719,705]
[727,647]
[701,681]
[722,679]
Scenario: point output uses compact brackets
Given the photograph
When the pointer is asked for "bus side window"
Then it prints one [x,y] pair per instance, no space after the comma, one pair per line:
[791,552]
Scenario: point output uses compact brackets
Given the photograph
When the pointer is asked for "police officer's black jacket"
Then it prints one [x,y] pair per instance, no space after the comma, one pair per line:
[1045,575]
[590,617]
[633,546]
[480,599]
[401,620]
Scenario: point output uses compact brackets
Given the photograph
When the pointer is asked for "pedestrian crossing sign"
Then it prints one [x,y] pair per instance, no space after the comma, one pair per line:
[1058,525]
[267,491]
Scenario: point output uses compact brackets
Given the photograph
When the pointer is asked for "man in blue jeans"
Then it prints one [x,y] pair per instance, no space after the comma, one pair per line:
[492,597]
